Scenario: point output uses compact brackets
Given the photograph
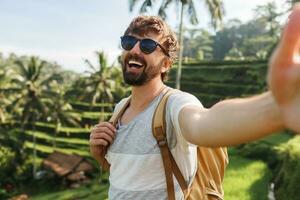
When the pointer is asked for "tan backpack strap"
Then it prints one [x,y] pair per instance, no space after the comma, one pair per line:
[178,175]
[113,120]
[159,132]
[167,166]
[119,112]
[103,162]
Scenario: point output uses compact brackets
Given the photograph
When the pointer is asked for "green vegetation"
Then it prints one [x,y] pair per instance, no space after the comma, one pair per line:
[246,179]
[6,162]
[37,118]
[216,81]
[45,108]
[287,180]
[90,192]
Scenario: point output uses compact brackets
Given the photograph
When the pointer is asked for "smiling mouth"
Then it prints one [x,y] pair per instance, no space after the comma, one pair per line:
[135,64]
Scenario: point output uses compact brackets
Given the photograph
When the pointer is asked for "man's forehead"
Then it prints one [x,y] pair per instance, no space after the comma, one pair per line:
[152,35]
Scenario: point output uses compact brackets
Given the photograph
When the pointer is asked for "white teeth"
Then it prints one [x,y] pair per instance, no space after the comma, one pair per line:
[135,63]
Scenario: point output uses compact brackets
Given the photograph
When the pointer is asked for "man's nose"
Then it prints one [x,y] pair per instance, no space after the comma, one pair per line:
[136,48]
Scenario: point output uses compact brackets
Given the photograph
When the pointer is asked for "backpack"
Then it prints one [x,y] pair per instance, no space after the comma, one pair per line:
[212,162]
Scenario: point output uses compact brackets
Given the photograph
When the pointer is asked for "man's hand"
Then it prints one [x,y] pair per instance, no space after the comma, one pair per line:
[101,135]
[284,72]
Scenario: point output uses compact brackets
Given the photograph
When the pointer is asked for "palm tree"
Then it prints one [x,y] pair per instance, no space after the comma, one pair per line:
[60,110]
[102,82]
[268,14]
[3,99]
[29,87]
[215,8]
[99,81]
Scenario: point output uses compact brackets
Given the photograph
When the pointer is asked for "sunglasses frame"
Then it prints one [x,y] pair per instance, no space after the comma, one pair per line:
[141,40]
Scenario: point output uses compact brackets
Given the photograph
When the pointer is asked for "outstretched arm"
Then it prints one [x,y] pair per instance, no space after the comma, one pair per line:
[231,122]
[240,120]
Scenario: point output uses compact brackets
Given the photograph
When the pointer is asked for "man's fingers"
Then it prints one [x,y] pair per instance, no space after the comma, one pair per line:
[105,124]
[104,130]
[102,136]
[95,142]
[289,45]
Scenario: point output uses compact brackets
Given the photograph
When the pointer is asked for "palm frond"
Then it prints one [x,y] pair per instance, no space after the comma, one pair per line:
[216,10]
[164,6]
[53,77]
[22,68]
[132,4]
[16,103]
[102,60]
[38,71]
[40,107]
[147,4]
[90,65]
[192,12]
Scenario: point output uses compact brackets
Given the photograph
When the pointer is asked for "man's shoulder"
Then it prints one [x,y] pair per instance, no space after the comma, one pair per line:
[181,96]
[121,103]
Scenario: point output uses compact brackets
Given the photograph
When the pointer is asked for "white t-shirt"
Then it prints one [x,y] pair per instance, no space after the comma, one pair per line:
[136,170]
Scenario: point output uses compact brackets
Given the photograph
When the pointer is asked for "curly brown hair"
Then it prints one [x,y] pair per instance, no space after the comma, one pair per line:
[142,25]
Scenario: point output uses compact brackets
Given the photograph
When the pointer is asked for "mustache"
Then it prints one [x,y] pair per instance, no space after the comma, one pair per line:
[135,57]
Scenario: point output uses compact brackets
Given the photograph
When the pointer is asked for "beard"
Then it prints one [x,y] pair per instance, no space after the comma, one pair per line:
[138,79]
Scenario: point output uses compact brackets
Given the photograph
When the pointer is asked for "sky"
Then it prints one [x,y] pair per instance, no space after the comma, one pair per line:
[68,31]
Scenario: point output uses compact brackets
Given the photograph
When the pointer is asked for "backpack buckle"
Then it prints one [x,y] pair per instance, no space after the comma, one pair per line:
[162,142]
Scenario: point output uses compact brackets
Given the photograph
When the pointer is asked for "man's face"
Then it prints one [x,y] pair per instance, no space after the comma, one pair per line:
[138,67]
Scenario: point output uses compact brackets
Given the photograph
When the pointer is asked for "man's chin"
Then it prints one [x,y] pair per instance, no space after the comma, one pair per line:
[134,83]
[134,80]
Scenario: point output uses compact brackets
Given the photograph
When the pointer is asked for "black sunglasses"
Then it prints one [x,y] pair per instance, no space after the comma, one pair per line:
[147,45]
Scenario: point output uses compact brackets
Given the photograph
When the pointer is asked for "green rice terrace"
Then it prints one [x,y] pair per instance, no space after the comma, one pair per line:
[253,170]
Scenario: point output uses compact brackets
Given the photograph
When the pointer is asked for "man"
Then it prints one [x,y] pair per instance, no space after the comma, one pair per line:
[150,48]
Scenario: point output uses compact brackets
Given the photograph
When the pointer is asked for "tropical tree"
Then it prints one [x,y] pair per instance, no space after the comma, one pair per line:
[99,82]
[227,38]
[251,40]
[198,44]
[5,74]
[215,8]
[8,135]
[29,88]
[3,99]
[102,83]
[234,54]
[269,15]
[60,111]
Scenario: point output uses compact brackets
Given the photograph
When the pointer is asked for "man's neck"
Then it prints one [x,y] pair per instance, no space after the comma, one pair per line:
[141,96]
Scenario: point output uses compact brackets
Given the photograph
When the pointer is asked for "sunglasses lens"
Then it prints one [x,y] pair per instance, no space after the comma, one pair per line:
[148,45]
[128,42]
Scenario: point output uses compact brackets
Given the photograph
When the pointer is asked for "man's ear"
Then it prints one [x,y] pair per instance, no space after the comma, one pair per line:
[166,65]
